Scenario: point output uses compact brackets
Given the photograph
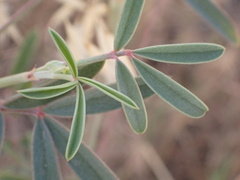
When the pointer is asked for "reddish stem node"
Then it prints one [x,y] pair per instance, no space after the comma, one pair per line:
[39,113]
[129,53]
[30,75]
[113,55]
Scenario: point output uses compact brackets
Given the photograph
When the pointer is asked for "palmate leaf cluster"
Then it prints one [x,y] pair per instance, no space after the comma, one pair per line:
[128,92]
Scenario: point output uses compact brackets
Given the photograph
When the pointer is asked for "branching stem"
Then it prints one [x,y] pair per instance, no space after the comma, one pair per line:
[40,73]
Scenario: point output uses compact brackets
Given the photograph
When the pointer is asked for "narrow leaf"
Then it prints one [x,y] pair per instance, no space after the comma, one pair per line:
[96,101]
[47,92]
[128,23]
[2,128]
[215,17]
[78,125]
[85,163]
[127,85]
[45,163]
[191,53]
[62,47]
[19,102]
[170,91]
[25,54]
[110,92]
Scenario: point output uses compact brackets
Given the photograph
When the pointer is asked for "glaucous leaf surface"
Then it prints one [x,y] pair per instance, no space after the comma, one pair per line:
[47,92]
[78,125]
[85,163]
[96,101]
[2,127]
[90,70]
[170,91]
[19,102]
[62,47]
[190,53]
[127,85]
[25,54]
[128,22]
[110,92]
[215,17]
[45,163]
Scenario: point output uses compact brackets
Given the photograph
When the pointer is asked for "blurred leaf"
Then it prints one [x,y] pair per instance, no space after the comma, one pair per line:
[215,17]
[44,156]
[128,23]
[2,128]
[90,70]
[170,91]
[25,54]
[19,102]
[62,47]
[11,176]
[128,86]
[222,171]
[96,101]
[85,163]
[110,92]
[78,125]
[47,92]
[191,53]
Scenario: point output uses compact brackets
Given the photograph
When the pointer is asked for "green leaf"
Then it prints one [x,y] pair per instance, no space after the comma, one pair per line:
[215,17]
[25,54]
[19,102]
[78,125]
[45,163]
[47,92]
[10,176]
[90,70]
[2,128]
[110,92]
[62,47]
[96,101]
[170,91]
[85,163]
[191,53]
[128,23]
[127,85]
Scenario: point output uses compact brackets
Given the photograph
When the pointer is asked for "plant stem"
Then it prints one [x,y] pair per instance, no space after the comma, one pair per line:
[99,58]
[50,75]
[93,59]
[14,79]
[38,74]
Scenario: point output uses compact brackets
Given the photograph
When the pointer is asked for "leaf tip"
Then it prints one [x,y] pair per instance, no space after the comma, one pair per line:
[141,131]
[50,30]
[133,105]
[69,156]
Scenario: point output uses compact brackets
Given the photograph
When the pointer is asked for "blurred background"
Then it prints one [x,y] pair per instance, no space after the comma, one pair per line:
[174,146]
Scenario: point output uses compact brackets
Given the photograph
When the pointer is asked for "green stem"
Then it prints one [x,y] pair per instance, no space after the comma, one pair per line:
[38,74]
[93,59]
[14,79]
[50,75]
[99,58]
